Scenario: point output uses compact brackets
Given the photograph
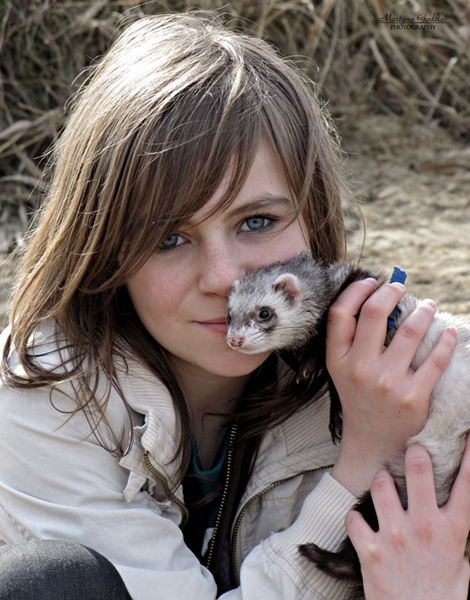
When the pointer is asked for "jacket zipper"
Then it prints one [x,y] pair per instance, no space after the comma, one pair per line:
[248,503]
[230,452]
[233,561]
[173,497]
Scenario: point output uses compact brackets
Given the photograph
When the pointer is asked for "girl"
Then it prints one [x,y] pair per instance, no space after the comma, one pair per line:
[141,456]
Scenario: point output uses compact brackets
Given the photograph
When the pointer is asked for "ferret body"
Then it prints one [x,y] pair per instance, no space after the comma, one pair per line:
[283,307]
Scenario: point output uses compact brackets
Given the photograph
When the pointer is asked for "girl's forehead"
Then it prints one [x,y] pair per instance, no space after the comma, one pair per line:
[265,188]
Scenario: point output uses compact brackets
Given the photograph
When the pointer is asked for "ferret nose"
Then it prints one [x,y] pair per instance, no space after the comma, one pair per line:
[235,340]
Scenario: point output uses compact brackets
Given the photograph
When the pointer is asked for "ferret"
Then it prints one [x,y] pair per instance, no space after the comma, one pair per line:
[283,307]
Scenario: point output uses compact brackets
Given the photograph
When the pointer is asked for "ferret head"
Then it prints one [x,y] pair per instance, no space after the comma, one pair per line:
[262,312]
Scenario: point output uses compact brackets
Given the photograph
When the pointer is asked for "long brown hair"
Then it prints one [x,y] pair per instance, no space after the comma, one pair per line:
[178,102]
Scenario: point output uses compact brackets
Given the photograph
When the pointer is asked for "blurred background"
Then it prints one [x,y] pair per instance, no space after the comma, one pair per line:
[395,77]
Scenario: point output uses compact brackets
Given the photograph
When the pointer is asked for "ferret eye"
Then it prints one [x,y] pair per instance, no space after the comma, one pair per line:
[264,314]
[229,318]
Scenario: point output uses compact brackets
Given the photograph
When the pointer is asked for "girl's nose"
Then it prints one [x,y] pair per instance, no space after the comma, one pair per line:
[219,269]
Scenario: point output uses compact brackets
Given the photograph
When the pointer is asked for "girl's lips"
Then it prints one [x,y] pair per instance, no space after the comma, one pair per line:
[217,325]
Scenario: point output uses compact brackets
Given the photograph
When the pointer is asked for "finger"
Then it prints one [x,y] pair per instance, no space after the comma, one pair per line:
[360,533]
[372,323]
[419,482]
[412,330]
[432,368]
[387,504]
[342,317]
[459,500]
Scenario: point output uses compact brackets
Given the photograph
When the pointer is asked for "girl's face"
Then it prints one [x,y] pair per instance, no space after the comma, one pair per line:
[180,293]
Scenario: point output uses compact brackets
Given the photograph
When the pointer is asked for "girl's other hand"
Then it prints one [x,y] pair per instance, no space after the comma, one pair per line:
[384,402]
[418,553]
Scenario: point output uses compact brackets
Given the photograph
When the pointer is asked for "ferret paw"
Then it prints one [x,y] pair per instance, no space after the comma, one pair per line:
[305,370]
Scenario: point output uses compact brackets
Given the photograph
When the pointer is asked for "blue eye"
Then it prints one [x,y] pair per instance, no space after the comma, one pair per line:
[172,241]
[256,223]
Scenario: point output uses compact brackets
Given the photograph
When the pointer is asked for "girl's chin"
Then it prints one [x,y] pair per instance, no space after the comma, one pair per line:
[223,363]
[231,363]
[243,364]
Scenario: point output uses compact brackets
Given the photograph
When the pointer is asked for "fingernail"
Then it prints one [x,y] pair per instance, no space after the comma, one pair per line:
[451,332]
[399,285]
[371,280]
[429,302]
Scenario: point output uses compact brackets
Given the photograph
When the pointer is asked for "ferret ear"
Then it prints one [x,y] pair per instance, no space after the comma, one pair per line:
[289,285]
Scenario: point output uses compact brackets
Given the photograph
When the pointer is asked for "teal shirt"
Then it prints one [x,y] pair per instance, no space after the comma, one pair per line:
[202,494]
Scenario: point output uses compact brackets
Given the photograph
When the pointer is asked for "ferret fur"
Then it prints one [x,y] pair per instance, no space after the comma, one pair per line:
[284,306]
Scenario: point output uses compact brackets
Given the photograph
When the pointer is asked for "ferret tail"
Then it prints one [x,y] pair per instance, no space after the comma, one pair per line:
[343,564]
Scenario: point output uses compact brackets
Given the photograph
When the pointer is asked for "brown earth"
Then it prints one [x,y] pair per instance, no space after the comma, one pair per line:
[413,183]
[414,187]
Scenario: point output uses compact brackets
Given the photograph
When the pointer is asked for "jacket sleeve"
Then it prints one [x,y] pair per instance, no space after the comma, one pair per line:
[275,569]
[58,482]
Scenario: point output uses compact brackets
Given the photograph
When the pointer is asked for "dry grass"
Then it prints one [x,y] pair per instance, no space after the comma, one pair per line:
[363,65]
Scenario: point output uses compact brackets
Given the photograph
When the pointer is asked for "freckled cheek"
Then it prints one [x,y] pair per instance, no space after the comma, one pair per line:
[160,303]
[156,295]
[302,234]
[294,241]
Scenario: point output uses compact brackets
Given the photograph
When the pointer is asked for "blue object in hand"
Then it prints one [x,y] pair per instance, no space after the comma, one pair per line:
[398,276]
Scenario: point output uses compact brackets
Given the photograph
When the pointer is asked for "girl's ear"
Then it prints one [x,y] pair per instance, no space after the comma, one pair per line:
[289,285]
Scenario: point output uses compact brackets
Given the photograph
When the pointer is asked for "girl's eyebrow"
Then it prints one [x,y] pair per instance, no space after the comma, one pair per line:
[262,203]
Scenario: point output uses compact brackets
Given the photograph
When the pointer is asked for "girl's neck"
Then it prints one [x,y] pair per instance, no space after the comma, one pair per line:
[210,401]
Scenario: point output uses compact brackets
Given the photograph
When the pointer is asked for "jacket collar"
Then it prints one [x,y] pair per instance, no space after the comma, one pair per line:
[301,443]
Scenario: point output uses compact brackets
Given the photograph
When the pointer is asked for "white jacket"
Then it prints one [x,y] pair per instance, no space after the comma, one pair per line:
[57,482]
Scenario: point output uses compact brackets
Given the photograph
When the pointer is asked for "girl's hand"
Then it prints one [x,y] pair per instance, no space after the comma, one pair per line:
[383,400]
[417,554]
